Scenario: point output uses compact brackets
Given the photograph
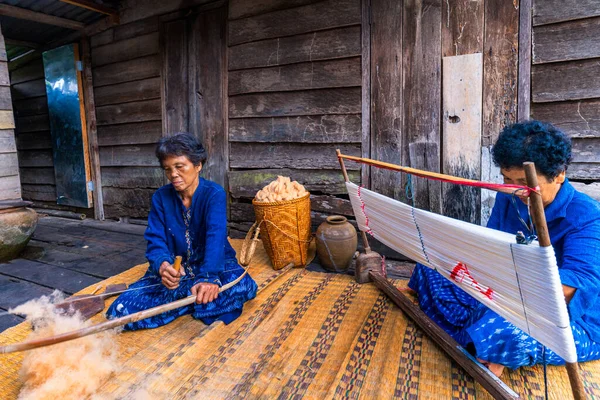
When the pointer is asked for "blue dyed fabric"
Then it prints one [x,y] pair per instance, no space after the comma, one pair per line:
[574,225]
[199,235]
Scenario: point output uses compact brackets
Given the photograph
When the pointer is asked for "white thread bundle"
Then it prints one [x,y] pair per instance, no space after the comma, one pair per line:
[524,281]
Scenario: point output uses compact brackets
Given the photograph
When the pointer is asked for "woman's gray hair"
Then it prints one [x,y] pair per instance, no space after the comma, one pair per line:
[181,144]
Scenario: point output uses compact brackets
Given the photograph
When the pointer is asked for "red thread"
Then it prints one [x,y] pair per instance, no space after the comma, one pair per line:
[461,274]
[362,207]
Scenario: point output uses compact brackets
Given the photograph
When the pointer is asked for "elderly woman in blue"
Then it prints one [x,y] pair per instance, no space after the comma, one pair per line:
[574,225]
[188,219]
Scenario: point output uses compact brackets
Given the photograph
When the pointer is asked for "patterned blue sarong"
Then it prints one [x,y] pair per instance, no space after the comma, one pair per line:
[227,307]
[473,325]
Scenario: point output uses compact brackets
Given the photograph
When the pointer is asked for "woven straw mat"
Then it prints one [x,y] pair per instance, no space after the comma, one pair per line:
[306,335]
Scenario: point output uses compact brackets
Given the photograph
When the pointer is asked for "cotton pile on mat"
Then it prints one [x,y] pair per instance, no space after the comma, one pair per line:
[306,335]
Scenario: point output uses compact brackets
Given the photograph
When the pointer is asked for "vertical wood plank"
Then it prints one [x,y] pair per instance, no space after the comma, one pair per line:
[10,184]
[500,67]
[462,27]
[207,66]
[174,77]
[422,95]
[7,121]
[3,56]
[462,106]
[92,133]
[500,76]
[365,175]
[386,102]
[84,126]
[524,85]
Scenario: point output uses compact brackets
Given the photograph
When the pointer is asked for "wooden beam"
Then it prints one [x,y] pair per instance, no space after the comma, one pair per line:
[22,43]
[90,112]
[539,221]
[22,13]
[90,5]
[497,388]
[89,31]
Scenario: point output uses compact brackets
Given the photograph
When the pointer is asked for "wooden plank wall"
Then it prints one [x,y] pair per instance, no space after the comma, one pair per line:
[294,97]
[407,125]
[126,77]
[33,133]
[10,186]
[566,77]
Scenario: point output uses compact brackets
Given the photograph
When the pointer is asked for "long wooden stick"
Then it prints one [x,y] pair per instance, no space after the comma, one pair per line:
[539,220]
[497,388]
[432,175]
[346,179]
[113,323]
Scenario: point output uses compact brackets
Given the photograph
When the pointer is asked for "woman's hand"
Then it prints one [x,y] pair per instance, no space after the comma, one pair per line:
[170,277]
[205,292]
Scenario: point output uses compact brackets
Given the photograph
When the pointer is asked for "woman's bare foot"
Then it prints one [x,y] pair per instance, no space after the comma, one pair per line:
[494,368]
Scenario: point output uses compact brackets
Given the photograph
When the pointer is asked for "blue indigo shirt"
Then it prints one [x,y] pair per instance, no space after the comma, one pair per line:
[166,230]
[573,220]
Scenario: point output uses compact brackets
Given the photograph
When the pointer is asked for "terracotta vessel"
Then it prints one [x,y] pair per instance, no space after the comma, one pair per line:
[336,243]
[16,227]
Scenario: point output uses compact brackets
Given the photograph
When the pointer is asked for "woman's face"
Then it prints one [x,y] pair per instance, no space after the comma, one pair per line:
[549,188]
[182,173]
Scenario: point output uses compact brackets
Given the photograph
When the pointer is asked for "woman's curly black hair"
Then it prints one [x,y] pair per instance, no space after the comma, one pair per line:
[541,143]
[181,144]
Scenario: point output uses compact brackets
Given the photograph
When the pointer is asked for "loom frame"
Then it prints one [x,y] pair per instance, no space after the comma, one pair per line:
[493,384]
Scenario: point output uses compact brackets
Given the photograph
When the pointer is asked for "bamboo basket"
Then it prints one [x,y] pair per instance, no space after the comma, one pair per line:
[285,230]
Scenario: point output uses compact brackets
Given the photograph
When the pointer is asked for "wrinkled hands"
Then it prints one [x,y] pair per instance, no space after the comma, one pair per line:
[205,292]
[170,276]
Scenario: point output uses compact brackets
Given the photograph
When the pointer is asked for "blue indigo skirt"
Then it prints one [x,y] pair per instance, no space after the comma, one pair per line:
[152,293]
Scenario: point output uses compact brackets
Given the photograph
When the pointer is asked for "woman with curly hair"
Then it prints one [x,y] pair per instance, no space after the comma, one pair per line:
[573,222]
[188,218]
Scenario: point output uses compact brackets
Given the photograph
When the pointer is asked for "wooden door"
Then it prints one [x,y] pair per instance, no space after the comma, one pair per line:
[193,51]
[67,126]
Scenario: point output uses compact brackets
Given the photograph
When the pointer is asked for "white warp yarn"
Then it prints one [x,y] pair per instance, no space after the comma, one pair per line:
[519,282]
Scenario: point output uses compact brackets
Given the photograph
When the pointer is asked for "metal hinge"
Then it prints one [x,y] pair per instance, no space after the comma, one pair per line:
[79,66]
[90,186]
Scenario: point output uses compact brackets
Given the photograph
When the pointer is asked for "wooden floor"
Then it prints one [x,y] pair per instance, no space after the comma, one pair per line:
[68,255]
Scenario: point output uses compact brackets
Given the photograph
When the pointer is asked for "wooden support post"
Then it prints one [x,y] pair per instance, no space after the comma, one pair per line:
[539,221]
[524,86]
[365,174]
[341,160]
[491,383]
[90,114]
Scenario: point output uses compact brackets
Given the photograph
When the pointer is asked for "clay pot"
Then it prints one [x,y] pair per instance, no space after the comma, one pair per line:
[16,227]
[336,243]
